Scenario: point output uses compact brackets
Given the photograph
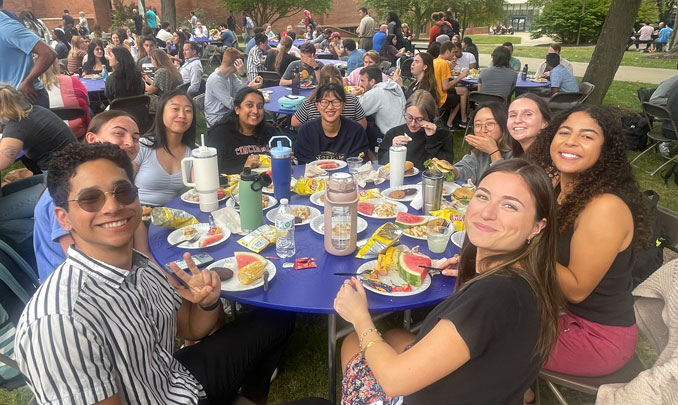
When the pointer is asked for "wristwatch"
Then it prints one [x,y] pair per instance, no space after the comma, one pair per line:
[316,68]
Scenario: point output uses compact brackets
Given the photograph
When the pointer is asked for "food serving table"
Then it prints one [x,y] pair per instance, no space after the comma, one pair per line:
[312,290]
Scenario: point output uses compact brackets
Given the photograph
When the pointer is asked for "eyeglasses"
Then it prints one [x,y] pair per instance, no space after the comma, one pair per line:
[489,126]
[92,200]
[336,103]
[410,118]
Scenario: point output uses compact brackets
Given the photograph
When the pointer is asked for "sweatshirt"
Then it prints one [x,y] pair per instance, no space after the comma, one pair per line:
[233,148]
[473,165]
[419,149]
[386,101]
[312,143]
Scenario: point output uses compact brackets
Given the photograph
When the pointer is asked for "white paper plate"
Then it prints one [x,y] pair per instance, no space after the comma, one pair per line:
[392,278]
[202,229]
[191,195]
[315,198]
[458,238]
[428,217]
[271,202]
[415,172]
[449,187]
[340,163]
[318,224]
[314,213]
[233,284]
[386,192]
[400,207]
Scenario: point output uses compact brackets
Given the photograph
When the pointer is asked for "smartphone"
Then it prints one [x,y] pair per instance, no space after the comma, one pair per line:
[201,260]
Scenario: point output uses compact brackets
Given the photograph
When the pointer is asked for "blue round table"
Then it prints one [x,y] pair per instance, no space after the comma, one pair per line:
[520,83]
[297,43]
[278,92]
[95,90]
[311,290]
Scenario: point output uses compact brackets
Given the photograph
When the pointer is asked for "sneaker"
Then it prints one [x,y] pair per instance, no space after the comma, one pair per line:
[664,149]
[463,124]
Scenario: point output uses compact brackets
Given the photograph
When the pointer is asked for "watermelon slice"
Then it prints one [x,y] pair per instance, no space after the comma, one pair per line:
[366,208]
[243,259]
[405,220]
[211,240]
[409,270]
[328,165]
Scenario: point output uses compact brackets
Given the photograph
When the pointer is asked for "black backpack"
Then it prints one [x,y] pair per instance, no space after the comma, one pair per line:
[635,128]
[649,259]
[446,29]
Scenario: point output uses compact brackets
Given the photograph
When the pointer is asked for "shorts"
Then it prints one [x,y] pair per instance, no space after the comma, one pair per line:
[360,387]
[588,349]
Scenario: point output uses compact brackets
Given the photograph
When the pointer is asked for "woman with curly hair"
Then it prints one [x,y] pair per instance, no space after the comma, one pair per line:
[489,140]
[602,221]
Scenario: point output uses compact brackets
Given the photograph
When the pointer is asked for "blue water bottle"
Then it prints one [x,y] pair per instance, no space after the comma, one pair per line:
[281,166]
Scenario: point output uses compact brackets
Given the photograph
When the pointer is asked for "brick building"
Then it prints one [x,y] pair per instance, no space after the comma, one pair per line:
[344,13]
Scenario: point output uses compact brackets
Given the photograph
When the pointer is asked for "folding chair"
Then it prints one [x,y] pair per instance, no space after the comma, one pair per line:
[184,86]
[669,221]
[586,89]
[138,107]
[200,102]
[271,78]
[660,114]
[385,66]
[476,98]
[69,113]
[564,100]
[210,53]
[406,68]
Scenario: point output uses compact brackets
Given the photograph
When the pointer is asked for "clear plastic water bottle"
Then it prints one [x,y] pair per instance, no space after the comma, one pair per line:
[524,74]
[104,72]
[284,230]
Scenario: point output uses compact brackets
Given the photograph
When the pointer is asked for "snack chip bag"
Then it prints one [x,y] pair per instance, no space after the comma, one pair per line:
[259,239]
[171,218]
[370,194]
[387,235]
[306,186]
[454,216]
[264,161]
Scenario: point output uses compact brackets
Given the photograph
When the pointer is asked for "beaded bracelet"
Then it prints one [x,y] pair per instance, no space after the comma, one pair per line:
[370,344]
[211,307]
[494,152]
[360,343]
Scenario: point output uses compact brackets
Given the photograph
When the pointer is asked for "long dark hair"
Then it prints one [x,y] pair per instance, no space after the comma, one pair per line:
[545,115]
[127,76]
[428,82]
[500,113]
[158,132]
[232,121]
[535,261]
[392,16]
[92,60]
[611,174]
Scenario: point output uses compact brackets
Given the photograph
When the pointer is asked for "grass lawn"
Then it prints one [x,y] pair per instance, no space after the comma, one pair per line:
[305,360]
[583,54]
[496,39]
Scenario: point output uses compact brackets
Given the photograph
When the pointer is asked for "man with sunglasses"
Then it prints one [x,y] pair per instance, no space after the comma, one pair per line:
[101,328]
[50,240]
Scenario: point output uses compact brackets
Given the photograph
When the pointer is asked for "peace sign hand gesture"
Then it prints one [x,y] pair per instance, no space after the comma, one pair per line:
[200,287]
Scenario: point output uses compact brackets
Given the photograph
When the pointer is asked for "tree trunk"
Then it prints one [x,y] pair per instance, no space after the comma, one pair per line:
[672,44]
[168,10]
[610,47]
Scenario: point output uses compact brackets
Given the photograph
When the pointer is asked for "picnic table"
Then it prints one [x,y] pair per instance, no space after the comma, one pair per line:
[312,290]
[520,84]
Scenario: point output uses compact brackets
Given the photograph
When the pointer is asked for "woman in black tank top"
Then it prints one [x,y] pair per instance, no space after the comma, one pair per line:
[601,221]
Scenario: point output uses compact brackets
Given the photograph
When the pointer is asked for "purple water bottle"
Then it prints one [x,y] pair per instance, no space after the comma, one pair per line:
[281,166]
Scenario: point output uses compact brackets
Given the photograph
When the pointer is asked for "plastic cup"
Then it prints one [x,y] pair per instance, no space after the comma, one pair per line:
[354,164]
[437,240]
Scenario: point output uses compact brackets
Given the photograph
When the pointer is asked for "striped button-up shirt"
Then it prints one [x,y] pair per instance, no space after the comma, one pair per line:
[93,330]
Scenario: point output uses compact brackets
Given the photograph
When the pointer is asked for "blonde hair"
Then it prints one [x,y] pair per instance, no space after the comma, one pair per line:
[13,105]
[163,61]
[75,46]
[141,52]
[372,55]
[285,46]
[50,77]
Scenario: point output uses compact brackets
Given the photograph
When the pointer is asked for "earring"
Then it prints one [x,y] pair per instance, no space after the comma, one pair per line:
[530,240]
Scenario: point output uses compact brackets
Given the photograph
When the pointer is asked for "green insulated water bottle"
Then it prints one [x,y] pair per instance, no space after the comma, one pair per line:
[249,199]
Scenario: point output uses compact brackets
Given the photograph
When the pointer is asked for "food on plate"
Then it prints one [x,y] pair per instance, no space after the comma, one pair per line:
[387,260]
[443,166]
[452,215]
[303,74]
[421,231]
[327,165]
[209,240]
[369,194]
[463,194]
[409,270]
[250,266]
[386,209]
[409,168]
[437,222]
[366,208]
[223,273]
[264,201]
[171,218]
[301,214]
[192,194]
[386,235]
[399,194]
[405,220]
[189,232]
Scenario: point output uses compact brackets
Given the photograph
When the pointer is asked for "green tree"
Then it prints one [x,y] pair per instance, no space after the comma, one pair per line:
[648,12]
[416,13]
[478,13]
[564,20]
[270,11]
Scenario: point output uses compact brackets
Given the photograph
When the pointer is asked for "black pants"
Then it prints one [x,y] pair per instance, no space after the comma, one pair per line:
[244,353]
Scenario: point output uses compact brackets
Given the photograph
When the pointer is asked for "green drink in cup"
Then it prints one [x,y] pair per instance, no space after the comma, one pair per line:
[437,239]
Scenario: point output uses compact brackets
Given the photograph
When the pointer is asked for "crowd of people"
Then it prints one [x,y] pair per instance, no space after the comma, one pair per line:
[551,229]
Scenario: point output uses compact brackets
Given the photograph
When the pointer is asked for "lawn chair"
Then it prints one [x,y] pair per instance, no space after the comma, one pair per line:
[669,220]
[586,89]
[210,53]
[385,66]
[564,100]
[660,114]
[406,68]
[200,102]
[138,107]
